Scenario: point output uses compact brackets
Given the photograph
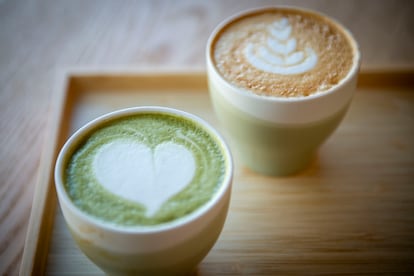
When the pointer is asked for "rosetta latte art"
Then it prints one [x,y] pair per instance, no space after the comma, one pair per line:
[280,55]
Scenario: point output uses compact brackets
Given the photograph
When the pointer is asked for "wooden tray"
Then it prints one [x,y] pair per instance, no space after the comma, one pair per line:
[351,211]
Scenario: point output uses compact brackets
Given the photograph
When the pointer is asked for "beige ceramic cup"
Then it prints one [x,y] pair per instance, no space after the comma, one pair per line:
[172,248]
[277,135]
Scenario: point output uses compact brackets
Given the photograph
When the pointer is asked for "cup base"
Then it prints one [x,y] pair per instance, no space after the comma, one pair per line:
[274,166]
[180,259]
[272,148]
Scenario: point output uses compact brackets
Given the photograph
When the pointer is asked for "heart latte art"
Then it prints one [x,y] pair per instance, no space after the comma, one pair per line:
[144,169]
[150,177]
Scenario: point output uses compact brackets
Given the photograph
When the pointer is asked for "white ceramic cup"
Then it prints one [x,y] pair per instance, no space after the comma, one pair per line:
[170,248]
[277,135]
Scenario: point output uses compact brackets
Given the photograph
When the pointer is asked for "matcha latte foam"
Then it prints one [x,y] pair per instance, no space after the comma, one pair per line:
[144,169]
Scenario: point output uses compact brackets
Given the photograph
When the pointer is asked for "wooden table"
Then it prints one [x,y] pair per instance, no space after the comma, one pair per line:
[39,38]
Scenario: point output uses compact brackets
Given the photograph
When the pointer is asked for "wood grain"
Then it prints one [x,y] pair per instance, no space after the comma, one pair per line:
[38,38]
[349,212]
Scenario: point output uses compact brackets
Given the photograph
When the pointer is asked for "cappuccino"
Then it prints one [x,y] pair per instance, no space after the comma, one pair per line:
[144,169]
[283,52]
[280,79]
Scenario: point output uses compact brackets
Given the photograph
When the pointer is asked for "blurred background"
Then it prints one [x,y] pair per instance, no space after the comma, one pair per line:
[38,38]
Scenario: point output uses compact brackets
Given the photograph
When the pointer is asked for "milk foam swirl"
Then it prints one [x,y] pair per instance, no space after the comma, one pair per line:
[279,55]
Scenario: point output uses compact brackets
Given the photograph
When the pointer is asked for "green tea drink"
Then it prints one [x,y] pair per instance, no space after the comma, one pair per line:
[144,170]
[145,190]
[281,80]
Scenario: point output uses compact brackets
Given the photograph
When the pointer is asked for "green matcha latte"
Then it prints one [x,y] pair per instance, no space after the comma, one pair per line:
[144,169]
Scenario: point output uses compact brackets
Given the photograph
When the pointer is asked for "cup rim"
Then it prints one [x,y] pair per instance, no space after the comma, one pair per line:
[77,137]
[245,92]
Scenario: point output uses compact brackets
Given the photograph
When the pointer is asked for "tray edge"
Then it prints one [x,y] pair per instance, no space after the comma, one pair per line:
[32,258]
[40,223]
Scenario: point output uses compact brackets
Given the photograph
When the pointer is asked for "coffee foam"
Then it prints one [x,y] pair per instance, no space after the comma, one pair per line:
[279,55]
[282,52]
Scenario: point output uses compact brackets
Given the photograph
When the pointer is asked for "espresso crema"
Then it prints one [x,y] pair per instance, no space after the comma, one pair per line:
[283,52]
